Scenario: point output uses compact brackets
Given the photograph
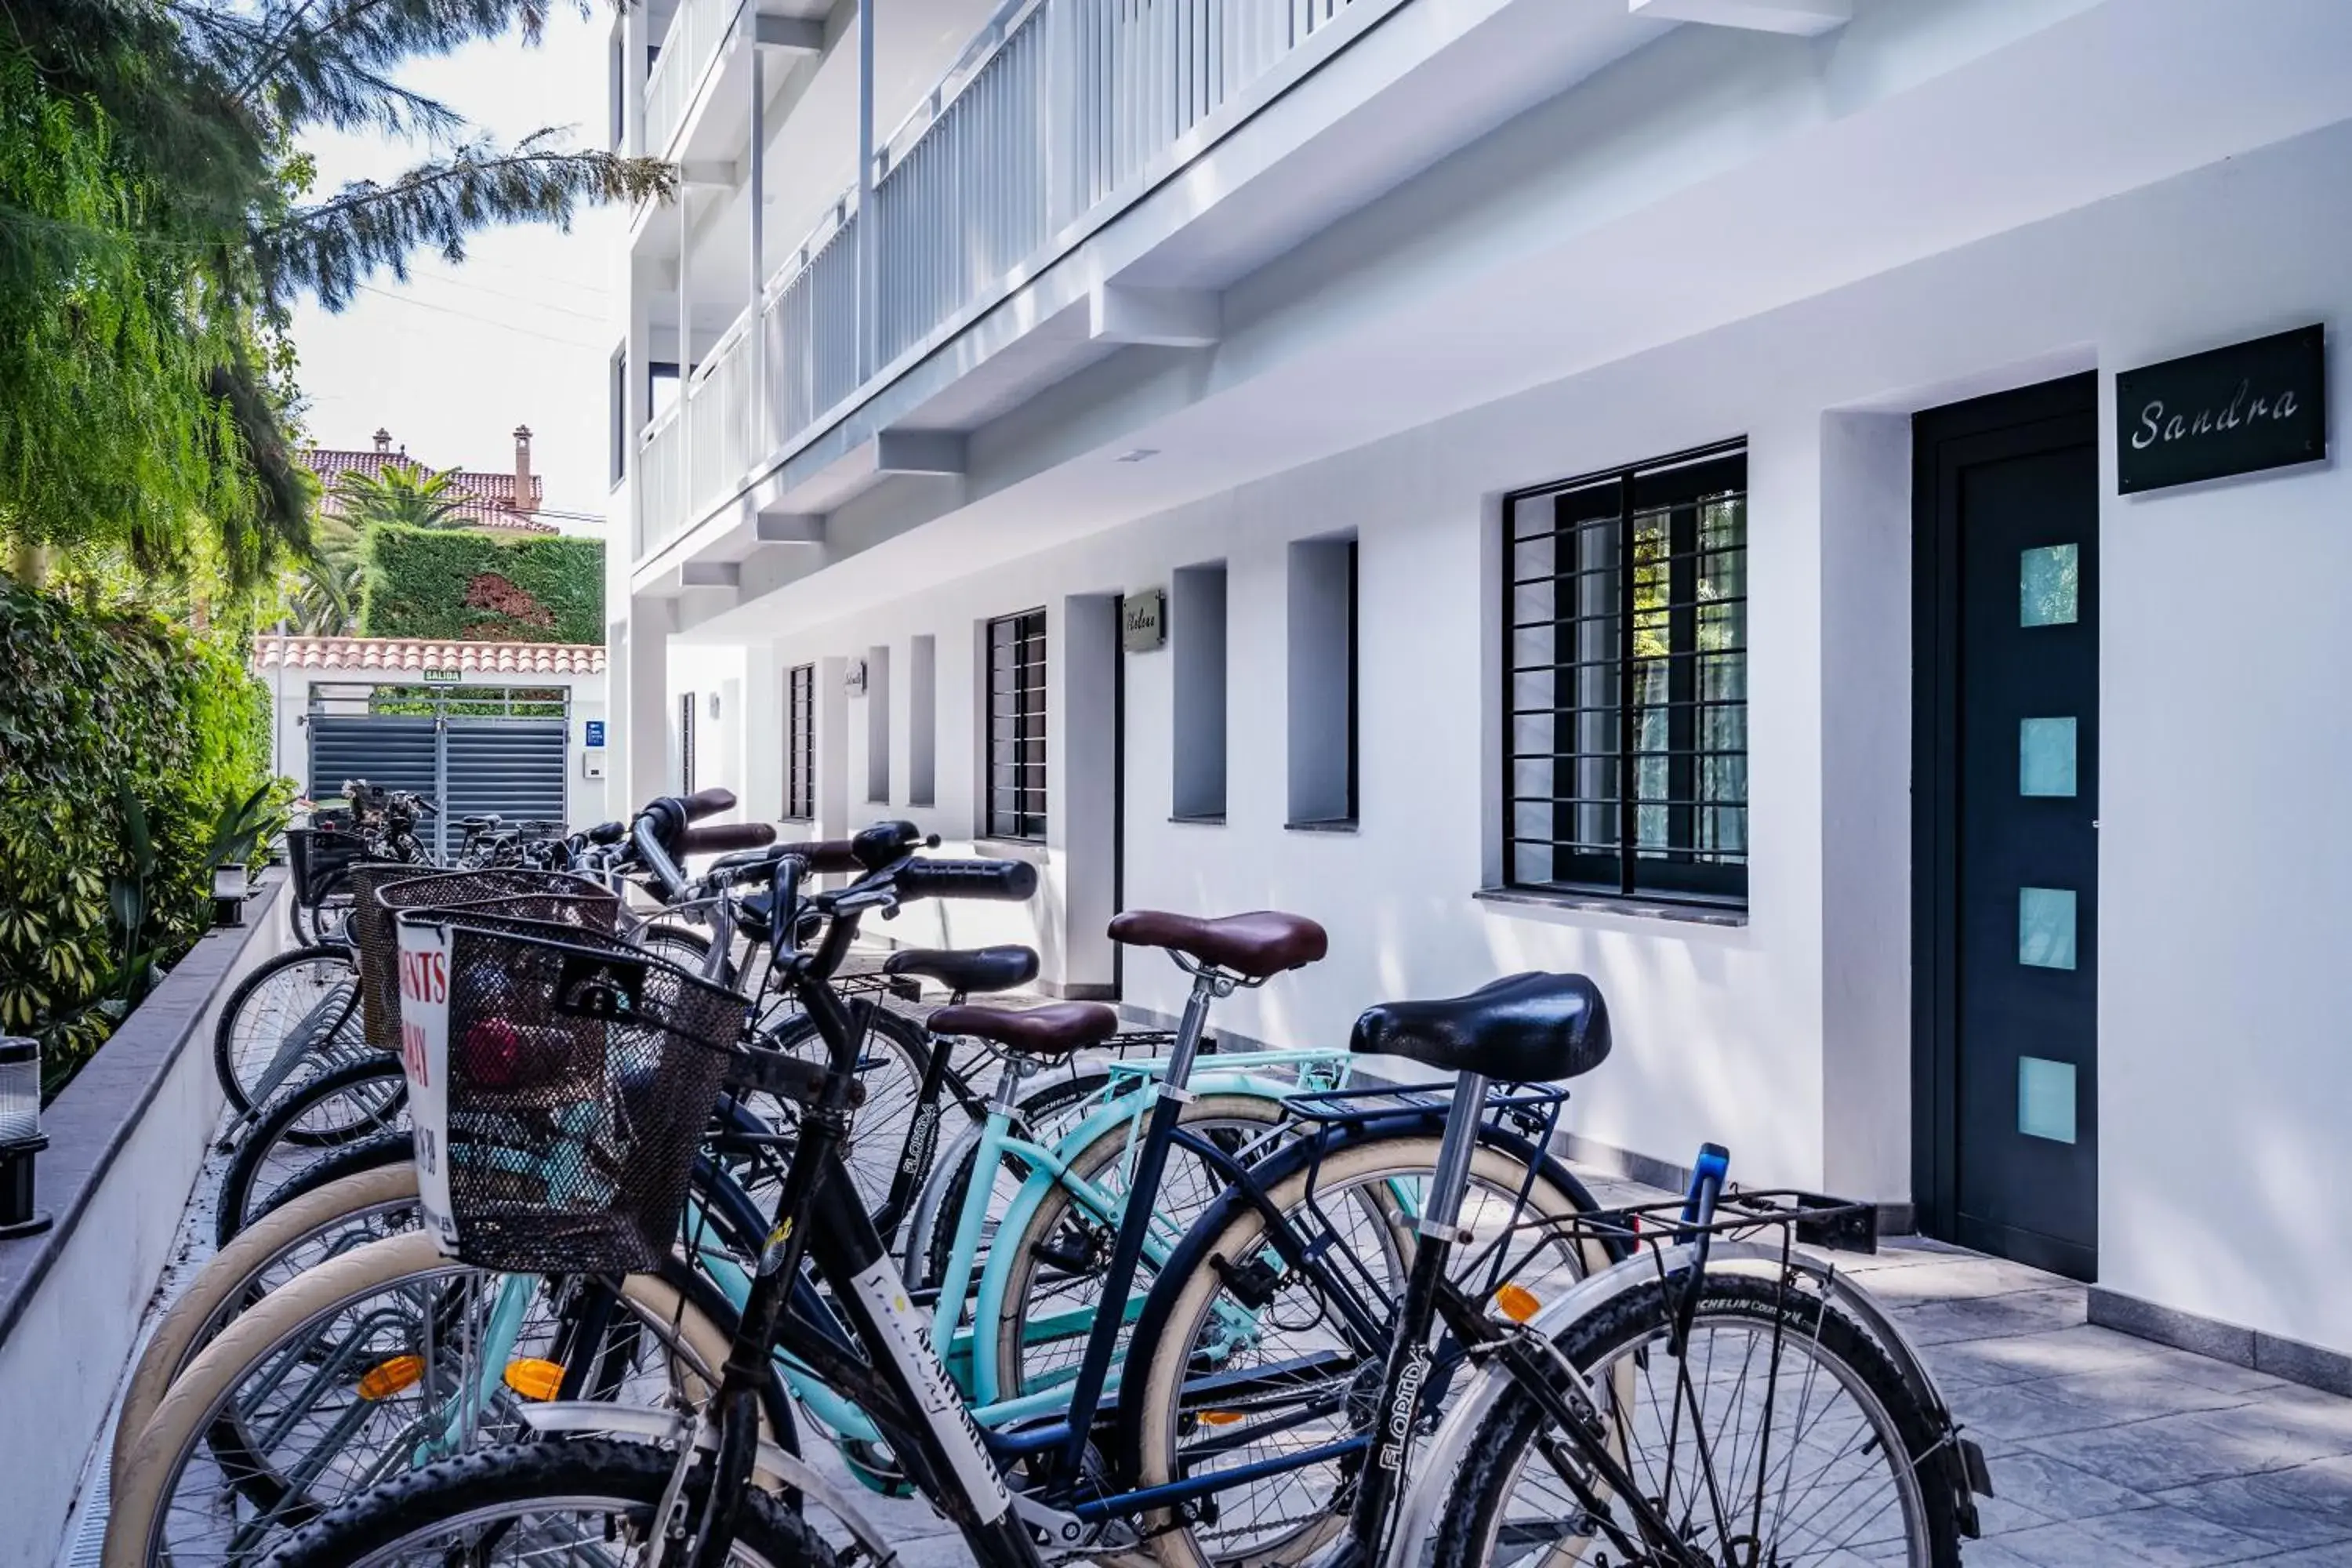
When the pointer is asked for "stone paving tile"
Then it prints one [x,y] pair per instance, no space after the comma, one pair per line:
[2054,1492]
[2309,1506]
[1992,1317]
[2170,1538]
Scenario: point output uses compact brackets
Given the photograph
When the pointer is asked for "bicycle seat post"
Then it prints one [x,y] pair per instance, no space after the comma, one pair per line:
[1442,1213]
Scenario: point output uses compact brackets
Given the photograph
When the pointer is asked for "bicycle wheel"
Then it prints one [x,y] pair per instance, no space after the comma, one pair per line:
[289,1240]
[1044,1114]
[590,1501]
[341,1105]
[376,1363]
[1783,1435]
[327,920]
[298,1008]
[1239,1361]
[1054,1289]
[896,1052]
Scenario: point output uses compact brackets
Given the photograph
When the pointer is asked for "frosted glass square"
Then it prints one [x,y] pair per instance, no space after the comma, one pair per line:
[2045,927]
[2045,756]
[2046,1098]
[2049,586]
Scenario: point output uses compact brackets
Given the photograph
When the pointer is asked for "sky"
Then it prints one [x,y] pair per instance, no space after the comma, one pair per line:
[522,330]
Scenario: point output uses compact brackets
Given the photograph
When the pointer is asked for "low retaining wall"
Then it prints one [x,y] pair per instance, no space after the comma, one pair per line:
[126,1139]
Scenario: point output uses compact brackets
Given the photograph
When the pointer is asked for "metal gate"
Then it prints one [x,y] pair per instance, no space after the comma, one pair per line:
[470,752]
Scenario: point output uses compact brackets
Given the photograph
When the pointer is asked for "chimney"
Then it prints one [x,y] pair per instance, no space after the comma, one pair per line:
[382,440]
[523,501]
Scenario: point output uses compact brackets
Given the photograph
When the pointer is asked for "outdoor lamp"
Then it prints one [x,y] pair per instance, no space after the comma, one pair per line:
[20,1135]
[229,884]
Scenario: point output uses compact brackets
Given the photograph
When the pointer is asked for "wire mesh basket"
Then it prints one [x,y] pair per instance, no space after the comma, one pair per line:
[380,892]
[560,1082]
[317,855]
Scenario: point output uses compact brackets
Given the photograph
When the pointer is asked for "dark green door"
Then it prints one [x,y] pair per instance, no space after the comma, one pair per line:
[2008,509]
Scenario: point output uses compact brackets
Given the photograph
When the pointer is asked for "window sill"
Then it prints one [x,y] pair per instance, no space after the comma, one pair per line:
[796,822]
[1640,908]
[1011,848]
[1328,824]
[1201,821]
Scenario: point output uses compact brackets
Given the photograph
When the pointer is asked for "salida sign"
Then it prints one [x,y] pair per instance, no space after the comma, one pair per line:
[2258,405]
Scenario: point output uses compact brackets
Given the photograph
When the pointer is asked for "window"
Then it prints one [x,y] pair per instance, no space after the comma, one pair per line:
[1016,726]
[686,743]
[877,725]
[1196,625]
[922,719]
[1627,695]
[1322,682]
[616,390]
[800,743]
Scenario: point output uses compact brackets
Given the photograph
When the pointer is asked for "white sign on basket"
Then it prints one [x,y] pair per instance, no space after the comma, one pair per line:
[424,1059]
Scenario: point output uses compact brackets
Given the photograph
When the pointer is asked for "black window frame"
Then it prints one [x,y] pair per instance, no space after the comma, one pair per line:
[1017,717]
[685,743]
[800,743]
[1664,839]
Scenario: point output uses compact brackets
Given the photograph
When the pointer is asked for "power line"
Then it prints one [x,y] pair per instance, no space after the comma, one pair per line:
[485,320]
[597,317]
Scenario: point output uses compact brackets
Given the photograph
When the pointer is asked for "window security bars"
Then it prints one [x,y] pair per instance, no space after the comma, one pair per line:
[800,743]
[1016,726]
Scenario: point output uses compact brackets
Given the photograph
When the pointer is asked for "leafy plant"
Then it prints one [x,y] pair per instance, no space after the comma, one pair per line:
[411,498]
[474,586]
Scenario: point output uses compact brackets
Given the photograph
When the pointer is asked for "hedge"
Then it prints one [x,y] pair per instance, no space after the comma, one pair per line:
[469,586]
[110,724]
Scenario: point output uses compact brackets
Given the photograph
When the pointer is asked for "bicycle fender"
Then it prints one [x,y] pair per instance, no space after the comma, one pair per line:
[649,1425]
[995,1273]
[1442,1458]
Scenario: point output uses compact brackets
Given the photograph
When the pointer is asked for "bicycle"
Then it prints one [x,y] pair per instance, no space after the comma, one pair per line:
[868,1342]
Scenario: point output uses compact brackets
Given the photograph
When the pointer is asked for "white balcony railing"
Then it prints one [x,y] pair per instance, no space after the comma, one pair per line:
[999,160]
[696,30]
[719,419]
[661,481]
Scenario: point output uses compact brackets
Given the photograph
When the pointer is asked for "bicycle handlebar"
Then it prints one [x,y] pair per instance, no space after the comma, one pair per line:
[725,839]
[1003,881]
[706,803]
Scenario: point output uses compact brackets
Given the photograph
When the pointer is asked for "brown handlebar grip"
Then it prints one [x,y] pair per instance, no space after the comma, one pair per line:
[827,857]
[725,839]
[707,803]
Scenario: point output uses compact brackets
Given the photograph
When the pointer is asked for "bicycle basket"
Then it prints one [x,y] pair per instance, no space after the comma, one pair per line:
[381,892]
[560,1082]
[316,855]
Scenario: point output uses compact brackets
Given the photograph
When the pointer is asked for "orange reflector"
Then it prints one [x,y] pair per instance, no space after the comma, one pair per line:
[1219,1418]
[1517,1303]
[534,1379]
[387,1378]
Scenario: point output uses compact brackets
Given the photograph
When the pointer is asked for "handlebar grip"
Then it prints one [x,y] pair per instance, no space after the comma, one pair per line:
[608,833]
[827,857]
[707,803]
[1008,881]
[725,839]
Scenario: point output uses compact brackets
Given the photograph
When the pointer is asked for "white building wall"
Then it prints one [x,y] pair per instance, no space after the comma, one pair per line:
[2223,852]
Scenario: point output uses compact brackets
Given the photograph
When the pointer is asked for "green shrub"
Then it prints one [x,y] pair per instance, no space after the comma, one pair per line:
[123,740]
[471,587]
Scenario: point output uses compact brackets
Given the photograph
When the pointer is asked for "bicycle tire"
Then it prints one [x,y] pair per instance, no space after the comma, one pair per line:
[188,1420]
[1025,1286]
[879,1132]
[233,1274]
[391,1524]
[369,1153]
[236,1207]
[930,1234]
[303,914]
[228,1058]
[1150,1424]
[1474,1514]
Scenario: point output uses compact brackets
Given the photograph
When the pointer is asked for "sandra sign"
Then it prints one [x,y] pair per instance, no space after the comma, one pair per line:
[2258,405]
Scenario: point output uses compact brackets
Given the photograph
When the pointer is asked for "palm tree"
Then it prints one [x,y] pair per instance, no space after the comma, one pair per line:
[412,498]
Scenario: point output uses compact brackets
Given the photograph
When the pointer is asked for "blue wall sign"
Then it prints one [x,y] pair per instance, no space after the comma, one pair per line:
[595,732]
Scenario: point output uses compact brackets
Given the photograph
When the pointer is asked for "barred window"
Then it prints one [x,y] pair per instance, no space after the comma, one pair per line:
[1016,726]
[686,743]
[1627,756]
[800,743]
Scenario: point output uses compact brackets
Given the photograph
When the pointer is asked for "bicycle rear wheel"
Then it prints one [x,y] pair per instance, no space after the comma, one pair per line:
[342,1106]
[1783,1435]
[588,1501]
[298,1010]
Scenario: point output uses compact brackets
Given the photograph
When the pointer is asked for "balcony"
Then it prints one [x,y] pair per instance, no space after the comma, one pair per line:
[688,49]
[1058,116]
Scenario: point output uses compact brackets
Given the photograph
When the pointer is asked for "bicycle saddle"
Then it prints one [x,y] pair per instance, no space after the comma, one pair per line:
[975,969]
[1255,946]
[1528,1029]
[1055,1030]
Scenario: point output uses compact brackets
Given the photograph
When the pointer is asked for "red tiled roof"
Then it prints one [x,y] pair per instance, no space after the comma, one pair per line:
[485,499]
[404,656]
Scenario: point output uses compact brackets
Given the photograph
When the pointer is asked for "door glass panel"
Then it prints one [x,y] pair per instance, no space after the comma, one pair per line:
[2049,586]
[2045,756]
[2045,927]
[2046,1098]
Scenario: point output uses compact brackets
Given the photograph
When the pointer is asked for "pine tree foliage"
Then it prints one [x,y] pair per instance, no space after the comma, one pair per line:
[157,226]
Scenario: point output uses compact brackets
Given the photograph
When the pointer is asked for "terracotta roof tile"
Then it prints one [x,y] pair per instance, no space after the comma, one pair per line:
[486,500]
[408,656]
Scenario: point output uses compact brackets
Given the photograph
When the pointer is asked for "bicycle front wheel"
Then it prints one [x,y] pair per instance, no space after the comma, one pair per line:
[299,1011]
[588,1501]
[1783,1434]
